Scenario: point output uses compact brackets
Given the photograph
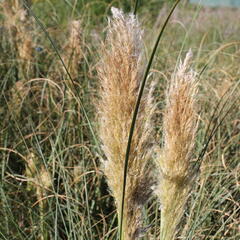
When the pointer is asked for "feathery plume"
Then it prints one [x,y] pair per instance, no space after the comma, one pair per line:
[19,25]
[179,126]
[39,181]
[73,50]
[120,73]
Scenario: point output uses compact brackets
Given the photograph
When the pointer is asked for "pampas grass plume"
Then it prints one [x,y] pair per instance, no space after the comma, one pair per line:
[73,52]
[179,130]
[40,181]
[120,72]
[19,25]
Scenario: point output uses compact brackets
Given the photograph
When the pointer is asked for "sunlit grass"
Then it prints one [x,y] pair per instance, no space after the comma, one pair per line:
[46,114]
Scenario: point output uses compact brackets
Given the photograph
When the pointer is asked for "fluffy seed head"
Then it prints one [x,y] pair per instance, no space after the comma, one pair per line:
[179,128]
[120,72]
[73,49]
[19,25]
[180,122]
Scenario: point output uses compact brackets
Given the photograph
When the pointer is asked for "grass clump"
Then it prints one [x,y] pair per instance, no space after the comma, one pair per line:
[53,183]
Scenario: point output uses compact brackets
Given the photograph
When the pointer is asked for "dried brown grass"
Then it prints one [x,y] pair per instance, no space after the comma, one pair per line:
[120,72]
[19,25]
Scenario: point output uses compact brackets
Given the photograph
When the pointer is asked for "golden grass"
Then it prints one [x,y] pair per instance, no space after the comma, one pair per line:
[120,72]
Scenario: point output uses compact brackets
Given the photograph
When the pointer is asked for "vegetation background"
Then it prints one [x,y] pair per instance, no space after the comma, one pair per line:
[52,186]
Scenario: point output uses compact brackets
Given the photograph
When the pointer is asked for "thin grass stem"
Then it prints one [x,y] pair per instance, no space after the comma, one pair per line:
[136,7]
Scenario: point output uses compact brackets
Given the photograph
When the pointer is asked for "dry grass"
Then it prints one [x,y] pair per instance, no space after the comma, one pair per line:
[120,73]
[19,25]
[51,183]
[179,126]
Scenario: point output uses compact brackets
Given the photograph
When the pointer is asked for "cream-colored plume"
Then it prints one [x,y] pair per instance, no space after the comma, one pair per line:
[179,128]
[40,181]
[19,24]
[120,73]
[73,50]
